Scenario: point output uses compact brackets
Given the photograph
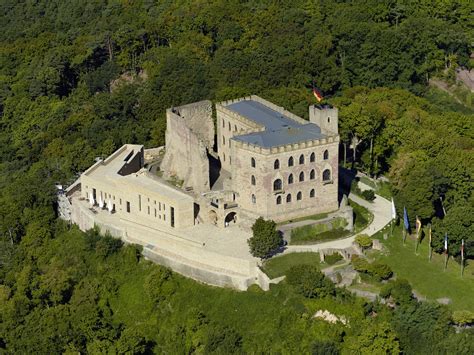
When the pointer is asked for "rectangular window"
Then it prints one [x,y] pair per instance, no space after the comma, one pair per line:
[159,206]
[140,203]
[148,209]
[172,216]
[164,207]
[128,207]
[155,212]
[120,201]
[164,217]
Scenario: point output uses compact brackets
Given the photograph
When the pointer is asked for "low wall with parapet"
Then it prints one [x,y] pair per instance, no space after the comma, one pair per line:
[180,254]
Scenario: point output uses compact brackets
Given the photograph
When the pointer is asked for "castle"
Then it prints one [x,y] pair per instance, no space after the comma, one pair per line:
[222,166]
[268,162]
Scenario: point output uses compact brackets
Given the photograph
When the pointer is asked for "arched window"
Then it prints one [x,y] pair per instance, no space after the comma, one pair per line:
[229,127]
[223,123]
[312,175]
[252,162]
[235,128]
[291,161]
[301,159]
[278,200]
[223,140]
[290,179]
[298,196]
[223,156]
[253,180]
[311,193]
[326,175]
[254,200]
[312,157]
[288,198]
[326,155]
[301,176]
[276,164]
[277,185]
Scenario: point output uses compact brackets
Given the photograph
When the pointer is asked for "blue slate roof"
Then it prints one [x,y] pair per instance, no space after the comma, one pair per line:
[279,129]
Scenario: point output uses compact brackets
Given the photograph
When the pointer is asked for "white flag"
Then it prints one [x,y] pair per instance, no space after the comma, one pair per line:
[394,211]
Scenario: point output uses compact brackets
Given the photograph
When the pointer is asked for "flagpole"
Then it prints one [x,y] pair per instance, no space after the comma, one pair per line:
[445,251]
[429,249]
[416,242]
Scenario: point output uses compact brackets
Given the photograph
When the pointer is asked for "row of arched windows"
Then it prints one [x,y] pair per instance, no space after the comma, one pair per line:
[278,184]
[229,126]
[299,197]
[291,160]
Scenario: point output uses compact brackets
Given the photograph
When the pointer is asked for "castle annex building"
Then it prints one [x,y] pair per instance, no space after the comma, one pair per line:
[261,160]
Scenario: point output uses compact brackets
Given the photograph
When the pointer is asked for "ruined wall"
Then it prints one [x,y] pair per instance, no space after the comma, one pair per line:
[189,135]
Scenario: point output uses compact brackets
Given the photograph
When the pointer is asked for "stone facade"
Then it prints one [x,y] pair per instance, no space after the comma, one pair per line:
[189,138]
[259,160]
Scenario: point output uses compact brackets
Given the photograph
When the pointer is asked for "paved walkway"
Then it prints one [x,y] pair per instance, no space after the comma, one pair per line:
[380,208]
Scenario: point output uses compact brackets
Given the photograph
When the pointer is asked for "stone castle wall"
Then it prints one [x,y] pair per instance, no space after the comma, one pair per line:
[189,137]
[325,192]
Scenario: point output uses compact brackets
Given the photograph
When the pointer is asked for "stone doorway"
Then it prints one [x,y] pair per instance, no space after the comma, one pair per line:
[231,218]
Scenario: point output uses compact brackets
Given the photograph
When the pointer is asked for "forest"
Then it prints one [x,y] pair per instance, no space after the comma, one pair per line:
[80,78]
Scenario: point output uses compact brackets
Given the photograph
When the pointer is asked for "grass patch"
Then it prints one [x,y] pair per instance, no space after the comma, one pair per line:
[319,232]
[278,266]
[381,188]
[362,216]
[315,217]
[428,278]
[366,287]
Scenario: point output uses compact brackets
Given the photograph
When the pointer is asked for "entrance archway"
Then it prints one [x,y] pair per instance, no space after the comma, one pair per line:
[230,218]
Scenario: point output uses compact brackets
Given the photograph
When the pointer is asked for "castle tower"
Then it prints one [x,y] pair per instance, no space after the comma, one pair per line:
[326,117]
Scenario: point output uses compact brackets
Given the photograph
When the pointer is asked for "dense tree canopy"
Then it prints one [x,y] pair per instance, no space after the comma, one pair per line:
[79,79]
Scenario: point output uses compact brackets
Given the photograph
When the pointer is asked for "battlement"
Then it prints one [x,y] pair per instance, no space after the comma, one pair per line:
[285,148]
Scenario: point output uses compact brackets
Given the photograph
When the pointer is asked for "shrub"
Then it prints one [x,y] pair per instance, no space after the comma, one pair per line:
[400,290]
[463,317]
[369,195]
[380,271]
[266,239]
[333,258]
[364,241]
[159,284]
[222,340]
[108,245]
[309,281]
[324,347]
[360,264]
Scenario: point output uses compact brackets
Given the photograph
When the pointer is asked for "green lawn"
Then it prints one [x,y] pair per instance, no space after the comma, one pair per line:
[362,216]
[305,218]
[429,278]
[381,188]
[317,233]
[278,266]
